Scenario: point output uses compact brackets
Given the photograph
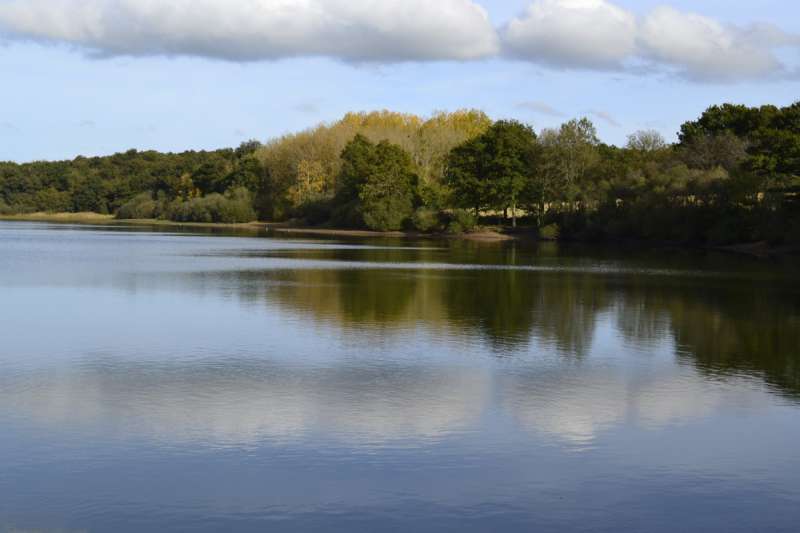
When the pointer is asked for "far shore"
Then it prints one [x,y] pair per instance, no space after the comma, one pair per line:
[478,235]
[483,234]
[97,218]
[761,250]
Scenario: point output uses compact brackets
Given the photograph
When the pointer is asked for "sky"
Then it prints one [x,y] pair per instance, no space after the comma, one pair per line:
[94,77]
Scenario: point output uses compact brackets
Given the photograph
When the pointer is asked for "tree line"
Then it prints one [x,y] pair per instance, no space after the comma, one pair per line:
[731,177]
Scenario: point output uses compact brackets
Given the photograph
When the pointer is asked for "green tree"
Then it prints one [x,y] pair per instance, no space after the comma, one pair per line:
[467,175]
[567,156]
[494,169]
[89,195]
[358,162]
[377,184]
[387,193]
[646,141]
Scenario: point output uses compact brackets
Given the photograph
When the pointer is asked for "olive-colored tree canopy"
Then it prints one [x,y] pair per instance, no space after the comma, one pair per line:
[427,141]
[734,176]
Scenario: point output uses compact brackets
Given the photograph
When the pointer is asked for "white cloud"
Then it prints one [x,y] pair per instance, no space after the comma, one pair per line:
[573,33]
[702,48]
[565,34]
[249,30]
[597,34]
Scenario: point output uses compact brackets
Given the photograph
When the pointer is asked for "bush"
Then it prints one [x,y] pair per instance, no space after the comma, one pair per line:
[386,214]
[386,206]
[52,200]
[461,221]
[425,219]
[141,206]
[234,207]
[434,195]
[237,207]
[549,232]
[5,209]
[315,212]
[348,215]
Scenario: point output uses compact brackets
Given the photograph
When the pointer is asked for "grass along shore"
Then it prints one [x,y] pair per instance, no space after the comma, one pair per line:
[97,218]
[480,234]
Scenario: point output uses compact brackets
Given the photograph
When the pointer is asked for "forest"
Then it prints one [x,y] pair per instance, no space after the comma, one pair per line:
[732,177]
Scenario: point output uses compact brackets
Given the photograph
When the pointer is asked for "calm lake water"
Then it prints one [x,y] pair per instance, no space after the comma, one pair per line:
[156,381]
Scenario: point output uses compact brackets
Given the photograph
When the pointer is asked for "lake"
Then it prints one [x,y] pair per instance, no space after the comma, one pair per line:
[155,380]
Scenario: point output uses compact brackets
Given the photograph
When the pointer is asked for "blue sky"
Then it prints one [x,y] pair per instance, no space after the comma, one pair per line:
[77,82]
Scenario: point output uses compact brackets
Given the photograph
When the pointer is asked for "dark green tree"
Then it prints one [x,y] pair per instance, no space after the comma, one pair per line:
[387,193]
[376,186]
[467,176]
[495,169]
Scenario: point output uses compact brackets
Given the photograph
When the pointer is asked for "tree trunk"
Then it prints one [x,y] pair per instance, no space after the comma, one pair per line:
[514,213]
[540,214]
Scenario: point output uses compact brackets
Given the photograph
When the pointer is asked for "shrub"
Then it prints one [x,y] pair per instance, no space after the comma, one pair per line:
[461,221]
[140,206]
[315,212]
[4,208]
[237,206]
[425,219]
[387,201]
[387,213]
[234,207]
[434,195]
[549,232]
[348,215]
[52,200]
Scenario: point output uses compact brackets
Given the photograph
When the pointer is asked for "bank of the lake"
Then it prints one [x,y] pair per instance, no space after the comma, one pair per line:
[485,234]
[480,234]
[97,218]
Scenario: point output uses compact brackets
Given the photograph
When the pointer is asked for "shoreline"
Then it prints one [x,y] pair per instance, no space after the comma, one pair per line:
[97,218]
[277,227]
[483,235]
[758,250]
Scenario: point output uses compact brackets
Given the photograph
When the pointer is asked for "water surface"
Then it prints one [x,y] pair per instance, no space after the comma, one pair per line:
[162,381]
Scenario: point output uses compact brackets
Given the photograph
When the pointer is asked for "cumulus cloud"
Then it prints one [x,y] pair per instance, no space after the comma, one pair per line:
[596,34]
[563,34]
[573,33]
[250,30]
[704,49]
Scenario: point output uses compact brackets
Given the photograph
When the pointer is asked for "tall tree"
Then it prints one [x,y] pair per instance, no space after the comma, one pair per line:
[387,193]
[646,141]
[378,182]
[494,169]
[568,155]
